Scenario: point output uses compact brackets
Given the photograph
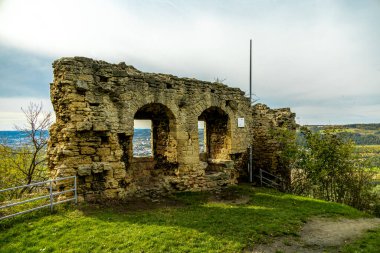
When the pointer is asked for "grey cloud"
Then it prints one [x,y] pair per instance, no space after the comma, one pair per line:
[24,74]
[308,55]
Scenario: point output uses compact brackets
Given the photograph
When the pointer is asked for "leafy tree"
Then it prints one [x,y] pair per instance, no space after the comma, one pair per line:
[286,139]
[326,167]
[26,162]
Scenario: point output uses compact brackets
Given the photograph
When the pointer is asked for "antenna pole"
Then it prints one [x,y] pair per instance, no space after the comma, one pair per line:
[250,70]
[250,102]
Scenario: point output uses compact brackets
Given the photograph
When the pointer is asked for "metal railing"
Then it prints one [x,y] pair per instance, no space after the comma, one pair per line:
[270,180]
[50,196]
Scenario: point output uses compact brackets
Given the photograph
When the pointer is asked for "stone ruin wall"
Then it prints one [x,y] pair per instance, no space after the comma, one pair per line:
[266,148]
[96,103]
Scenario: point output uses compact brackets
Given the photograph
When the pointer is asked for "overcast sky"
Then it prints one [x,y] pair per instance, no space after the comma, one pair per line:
[321,58]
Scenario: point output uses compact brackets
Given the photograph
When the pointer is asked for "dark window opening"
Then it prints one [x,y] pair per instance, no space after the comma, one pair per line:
[104,139]
[81,92]
[103,79]
[125,144]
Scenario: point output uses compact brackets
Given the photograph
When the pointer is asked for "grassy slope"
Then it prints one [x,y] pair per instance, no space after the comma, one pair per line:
[196,225]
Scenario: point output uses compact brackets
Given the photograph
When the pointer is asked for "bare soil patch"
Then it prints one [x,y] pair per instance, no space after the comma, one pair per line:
[321,235]
[241,200]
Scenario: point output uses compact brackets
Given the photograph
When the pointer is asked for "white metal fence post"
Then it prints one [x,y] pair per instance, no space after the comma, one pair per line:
[51,195]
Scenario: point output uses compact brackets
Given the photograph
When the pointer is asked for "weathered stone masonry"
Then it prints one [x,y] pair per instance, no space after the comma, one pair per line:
[266,149]
[96,104]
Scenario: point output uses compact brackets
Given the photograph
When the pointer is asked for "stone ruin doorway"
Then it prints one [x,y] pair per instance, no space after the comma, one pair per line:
[217,138]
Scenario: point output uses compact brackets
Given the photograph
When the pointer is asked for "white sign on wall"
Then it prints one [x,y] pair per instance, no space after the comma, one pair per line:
[240,122]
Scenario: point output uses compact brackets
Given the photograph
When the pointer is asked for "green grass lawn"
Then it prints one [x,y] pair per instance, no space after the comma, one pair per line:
[370,242]
[190,222]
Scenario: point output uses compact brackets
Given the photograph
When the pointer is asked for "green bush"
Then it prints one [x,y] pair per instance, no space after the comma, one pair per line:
[325,166]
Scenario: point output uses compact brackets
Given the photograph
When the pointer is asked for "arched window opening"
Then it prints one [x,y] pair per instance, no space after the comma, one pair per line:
[202,136]
[202,142]
[217,140]
[163,141]
[142,138]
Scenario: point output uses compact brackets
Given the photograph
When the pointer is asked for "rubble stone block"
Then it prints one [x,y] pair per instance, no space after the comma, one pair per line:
[100,126]
[81,85]
[84,170]
[87,150]
[83,126]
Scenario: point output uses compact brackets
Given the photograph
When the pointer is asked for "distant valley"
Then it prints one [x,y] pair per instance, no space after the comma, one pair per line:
[361,134]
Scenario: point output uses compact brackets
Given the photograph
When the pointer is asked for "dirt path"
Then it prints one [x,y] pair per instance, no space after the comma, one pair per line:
[319,235]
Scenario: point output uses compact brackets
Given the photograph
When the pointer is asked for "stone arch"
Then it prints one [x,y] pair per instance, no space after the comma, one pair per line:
[94,134]
[164,139]
[217,133]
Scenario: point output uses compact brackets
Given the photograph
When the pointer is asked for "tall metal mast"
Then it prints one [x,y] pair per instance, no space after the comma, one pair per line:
[250,101]
[250,70]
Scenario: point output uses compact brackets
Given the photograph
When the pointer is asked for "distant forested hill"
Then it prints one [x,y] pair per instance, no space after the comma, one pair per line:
[361,134]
